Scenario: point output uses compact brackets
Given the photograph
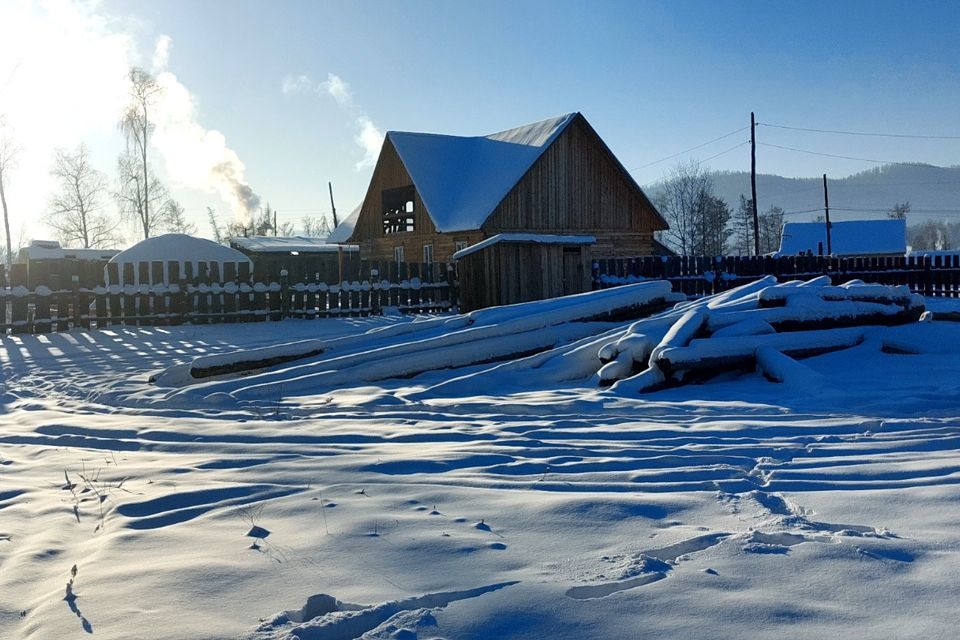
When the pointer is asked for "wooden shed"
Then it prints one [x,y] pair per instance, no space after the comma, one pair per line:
[304,259]
[46,263]
[432,195]
[510,268]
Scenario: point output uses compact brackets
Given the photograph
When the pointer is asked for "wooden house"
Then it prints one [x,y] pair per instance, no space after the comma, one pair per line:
[432,195]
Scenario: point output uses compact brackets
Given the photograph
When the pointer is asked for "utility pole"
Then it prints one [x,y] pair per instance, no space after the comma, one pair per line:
[753,183]
[333,206]
[274,223]
[826,213]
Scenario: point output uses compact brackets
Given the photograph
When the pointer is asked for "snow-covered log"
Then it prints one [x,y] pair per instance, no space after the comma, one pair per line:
[650,379]
[877,293]
[806,312]
[748,327]
[722,354]
[778,367]
[497,333]
[682,332]
[224,363]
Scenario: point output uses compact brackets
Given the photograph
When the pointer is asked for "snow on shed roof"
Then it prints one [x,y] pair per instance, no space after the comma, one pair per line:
[51,250]
[463,179]
[175,247]
[523,238]
[345,229]
[849,238]
[298,244]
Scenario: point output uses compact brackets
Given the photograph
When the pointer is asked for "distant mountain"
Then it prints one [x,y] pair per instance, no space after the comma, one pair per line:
[933,192]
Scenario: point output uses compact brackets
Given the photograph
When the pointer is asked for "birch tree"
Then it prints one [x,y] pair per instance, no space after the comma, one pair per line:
[8,161]
[140,193]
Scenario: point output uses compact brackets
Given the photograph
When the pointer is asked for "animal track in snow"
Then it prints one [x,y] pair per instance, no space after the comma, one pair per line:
[785,525]
[323,617]
[649,566]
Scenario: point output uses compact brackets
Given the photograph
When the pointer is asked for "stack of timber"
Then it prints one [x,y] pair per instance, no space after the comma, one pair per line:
[762,325]
[491,335]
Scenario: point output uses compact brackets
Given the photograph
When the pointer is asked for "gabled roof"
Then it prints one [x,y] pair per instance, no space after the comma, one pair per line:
[849,238]
[345,229]
[461,180]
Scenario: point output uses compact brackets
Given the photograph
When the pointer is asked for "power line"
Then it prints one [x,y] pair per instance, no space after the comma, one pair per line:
[793,213]
[833,155]
[882,209]
[860,133]
[699,146]
[885,208]
[736,146]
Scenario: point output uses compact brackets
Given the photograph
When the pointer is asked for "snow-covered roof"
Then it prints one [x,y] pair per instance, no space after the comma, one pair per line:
[523,238]
[51,250]
[849,238]
[177,247]
[294,244]
[461,180]
[345,229]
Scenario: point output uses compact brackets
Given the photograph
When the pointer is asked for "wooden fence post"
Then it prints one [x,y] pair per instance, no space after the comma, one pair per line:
[284,292]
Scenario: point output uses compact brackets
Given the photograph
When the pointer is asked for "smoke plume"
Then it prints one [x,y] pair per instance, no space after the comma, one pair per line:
[194,156]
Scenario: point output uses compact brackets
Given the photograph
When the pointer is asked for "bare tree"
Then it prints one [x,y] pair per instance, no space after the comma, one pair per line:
[148,215]
[743,227]
[315,227]
[176,222]
[680,201]
[771,225]
[19,240]
[215,225]
[8,160]
[712,232]
[899,211]
[136,175]
[75,211]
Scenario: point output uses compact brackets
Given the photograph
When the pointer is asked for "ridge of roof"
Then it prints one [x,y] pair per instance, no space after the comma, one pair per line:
[462,179]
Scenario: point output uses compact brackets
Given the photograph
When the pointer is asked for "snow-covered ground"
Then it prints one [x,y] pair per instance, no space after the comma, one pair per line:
[734,509]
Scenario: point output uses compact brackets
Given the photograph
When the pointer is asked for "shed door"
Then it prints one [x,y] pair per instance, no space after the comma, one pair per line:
[572,271]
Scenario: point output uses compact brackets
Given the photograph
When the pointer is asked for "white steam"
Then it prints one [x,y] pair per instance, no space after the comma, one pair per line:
[64,80]
[193,156]
[369,137]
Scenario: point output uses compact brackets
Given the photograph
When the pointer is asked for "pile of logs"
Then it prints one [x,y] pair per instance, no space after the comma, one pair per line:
[761,325]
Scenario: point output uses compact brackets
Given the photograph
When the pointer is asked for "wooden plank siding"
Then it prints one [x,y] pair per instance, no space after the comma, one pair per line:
[390,173]
[576,187]
[508,273]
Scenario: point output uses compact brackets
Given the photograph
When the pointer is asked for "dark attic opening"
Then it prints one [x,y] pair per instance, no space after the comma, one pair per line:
[398,211]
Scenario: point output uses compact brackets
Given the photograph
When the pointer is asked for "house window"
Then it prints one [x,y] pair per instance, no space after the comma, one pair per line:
[428,254]
[398,214]
[460,245]
[398,255]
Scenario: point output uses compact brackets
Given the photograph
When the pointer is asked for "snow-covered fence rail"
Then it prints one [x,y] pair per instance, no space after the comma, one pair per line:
[176,293]
[937,275]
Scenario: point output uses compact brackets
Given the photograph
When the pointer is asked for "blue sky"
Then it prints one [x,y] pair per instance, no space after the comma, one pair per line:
[653,79]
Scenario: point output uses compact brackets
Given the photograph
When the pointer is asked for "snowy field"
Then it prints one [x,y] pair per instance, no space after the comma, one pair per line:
[451,505]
